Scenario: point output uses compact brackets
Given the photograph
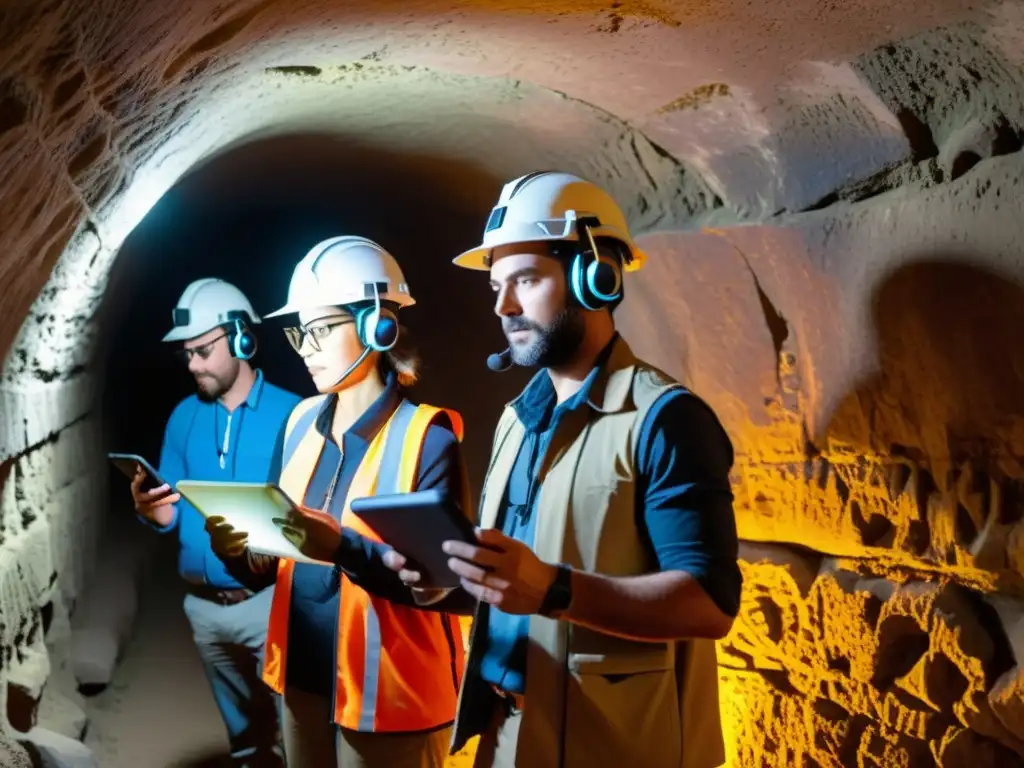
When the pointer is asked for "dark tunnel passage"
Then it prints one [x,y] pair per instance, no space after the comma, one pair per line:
[248,216]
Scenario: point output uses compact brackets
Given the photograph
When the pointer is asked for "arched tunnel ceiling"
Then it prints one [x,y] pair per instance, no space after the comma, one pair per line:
[250,213]
[808,125]
[768,107]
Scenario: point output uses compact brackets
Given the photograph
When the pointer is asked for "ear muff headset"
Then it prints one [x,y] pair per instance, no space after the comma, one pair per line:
[377,325]
[595,281]
[241,341]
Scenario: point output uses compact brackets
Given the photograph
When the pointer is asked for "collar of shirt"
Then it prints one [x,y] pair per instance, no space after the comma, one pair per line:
[252,400]
[255,392]
[373,419]
[536,405]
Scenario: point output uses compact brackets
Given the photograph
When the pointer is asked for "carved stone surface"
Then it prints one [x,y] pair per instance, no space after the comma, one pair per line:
[832,668]
[855,336]
[873,411]
[12,753]
[51,502]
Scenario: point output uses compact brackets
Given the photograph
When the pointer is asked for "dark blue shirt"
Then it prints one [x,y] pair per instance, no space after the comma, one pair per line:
[203,441]
[684,505]
[313,627]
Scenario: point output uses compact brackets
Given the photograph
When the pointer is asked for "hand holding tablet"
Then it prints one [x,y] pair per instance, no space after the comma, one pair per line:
[314,533]
[415,525]
[263,518]
[262,511]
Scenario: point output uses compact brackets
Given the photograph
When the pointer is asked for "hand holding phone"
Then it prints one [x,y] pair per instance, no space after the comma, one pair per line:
[156,503]
[153,496]
[130,464]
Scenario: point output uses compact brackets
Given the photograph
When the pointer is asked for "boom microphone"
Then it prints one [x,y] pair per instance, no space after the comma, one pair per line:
[351,368]
[500,361]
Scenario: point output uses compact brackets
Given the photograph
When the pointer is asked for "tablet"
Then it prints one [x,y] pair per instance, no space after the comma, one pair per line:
[129,464]
[416,524]
[248,507]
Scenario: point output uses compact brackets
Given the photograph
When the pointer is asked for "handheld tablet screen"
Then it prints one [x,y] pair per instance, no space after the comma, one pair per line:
[128,462]
[248,507]
[415,524]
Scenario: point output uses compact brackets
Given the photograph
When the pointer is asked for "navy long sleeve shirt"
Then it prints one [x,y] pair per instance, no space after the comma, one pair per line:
[683,506]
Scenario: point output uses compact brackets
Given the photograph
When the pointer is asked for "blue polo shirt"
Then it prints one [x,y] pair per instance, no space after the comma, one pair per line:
[204,441]
[316,590]
[683,505]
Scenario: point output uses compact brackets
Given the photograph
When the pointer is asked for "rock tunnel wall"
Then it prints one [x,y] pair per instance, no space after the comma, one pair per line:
[877,481]
[835,238]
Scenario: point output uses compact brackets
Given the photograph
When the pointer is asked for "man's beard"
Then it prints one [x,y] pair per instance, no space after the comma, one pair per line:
[211,388]
[554,345]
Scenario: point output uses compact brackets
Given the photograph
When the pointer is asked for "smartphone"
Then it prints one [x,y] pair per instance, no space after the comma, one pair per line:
[129,464]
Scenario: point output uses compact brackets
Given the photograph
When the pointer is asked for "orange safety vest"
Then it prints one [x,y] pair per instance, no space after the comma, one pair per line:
[398,668]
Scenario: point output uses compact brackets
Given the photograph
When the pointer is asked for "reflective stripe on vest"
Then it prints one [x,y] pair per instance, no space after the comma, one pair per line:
[398,668]
[295,435]
[388,481]
[302,447]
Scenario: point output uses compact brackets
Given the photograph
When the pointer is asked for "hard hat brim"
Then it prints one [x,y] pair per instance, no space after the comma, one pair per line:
[637,262]
[287,309]
[293,308]
[185,333]
[477,258]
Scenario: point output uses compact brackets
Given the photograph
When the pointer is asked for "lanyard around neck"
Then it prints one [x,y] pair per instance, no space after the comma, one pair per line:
[223,444]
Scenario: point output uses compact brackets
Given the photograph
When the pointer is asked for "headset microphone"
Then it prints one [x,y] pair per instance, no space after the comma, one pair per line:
[351,368]
[500,361]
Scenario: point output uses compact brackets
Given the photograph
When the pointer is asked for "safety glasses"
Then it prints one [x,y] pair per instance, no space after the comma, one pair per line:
[202,352]
[316,331]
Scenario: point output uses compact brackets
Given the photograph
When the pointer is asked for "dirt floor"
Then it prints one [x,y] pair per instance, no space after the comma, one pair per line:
[158,712]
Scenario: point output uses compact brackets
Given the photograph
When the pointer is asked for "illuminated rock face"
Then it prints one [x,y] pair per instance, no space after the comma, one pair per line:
[877,423]
[858,335]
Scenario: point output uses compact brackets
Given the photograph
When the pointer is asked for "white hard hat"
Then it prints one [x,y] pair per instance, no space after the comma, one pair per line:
[345,270]
[206,304]
[546,205]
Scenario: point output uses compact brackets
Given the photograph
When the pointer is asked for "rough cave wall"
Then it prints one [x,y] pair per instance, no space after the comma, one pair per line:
[871,155]
[862,354]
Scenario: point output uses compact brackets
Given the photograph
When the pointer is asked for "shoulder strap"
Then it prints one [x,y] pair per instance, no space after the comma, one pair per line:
[301,419]
[388,475]
[407,431]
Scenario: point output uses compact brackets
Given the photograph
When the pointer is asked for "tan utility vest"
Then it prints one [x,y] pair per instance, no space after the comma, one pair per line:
[595,700]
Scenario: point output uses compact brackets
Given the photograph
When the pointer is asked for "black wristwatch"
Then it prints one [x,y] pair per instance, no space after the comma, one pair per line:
[559,596]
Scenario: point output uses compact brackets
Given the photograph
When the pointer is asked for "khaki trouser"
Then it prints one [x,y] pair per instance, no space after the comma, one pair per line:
[312,740]
[497,748]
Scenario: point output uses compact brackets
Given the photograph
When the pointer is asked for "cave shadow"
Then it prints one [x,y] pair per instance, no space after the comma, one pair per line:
[949,379]
[248,215]
[947,393]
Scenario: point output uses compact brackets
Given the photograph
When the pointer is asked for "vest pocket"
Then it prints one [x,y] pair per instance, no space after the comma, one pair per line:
[659,658]
[622,710]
